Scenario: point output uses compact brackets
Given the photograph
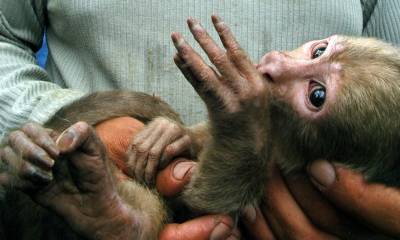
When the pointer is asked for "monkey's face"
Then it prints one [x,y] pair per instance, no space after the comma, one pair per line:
[305,79]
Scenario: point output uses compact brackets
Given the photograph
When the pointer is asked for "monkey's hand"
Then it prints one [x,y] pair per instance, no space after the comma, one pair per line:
[86,198]
[235,93]
[236,96]
[27,158]
[155,146]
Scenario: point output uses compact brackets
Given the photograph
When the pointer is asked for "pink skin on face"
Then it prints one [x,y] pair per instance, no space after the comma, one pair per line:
[294,75]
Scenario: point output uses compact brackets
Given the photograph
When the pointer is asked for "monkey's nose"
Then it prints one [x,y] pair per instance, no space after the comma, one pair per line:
[272,66]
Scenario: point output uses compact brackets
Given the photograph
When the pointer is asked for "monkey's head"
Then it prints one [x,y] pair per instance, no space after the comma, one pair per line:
[337,98]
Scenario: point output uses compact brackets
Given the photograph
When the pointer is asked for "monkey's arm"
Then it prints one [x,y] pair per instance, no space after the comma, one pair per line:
[199,134]
[232,167]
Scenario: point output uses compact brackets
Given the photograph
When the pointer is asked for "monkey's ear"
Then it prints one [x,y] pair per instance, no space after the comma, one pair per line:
[116,135]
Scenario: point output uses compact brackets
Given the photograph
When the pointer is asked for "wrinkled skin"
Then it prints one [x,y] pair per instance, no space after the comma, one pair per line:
[88,201]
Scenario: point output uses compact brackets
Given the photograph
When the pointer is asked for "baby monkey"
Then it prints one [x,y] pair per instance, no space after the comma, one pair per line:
[336,99]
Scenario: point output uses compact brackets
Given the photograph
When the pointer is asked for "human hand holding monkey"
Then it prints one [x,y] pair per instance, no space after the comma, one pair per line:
[294,209]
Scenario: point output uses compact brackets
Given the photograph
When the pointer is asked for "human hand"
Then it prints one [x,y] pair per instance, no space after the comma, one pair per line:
[170,182]
[294,209]
[235,89]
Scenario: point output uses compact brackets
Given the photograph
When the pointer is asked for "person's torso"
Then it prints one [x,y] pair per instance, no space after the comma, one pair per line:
[110,44]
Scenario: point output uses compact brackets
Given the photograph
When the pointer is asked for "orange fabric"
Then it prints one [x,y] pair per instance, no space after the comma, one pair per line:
[116,134]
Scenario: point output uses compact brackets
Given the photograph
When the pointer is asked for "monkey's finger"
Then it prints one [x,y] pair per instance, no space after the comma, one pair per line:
[207,83]
[175,149]
[170,133]
[83,137]
[42,137]
[216,55]
[145,153]
[285,217]
[28,150]
[373,203]
[23,174]
[257,226]
[206,227]
[234,51]
[140,165]
[172,179]
[209,96]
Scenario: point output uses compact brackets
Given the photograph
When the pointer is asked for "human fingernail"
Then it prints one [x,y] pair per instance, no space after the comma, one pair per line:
[65,140]
[250,213]
[181,169]
[322,173]
[221,231]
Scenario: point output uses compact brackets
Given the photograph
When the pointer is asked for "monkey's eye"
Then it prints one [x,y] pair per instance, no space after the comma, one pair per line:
[317,96]
[318,52]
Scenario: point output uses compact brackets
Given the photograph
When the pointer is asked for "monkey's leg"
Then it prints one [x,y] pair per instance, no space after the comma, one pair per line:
[88,198]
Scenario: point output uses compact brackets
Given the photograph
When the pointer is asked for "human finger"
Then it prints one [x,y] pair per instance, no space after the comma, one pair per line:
[320,211]
[171,180]
[376,204]
[285,217]
[206,227]
[256,225]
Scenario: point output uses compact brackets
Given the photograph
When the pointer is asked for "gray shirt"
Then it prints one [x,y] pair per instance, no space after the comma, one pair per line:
[125,44]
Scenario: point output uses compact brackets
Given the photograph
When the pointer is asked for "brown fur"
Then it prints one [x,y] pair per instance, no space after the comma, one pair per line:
[361,130]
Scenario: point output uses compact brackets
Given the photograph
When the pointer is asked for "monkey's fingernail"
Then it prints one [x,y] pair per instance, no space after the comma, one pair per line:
[65,140]
[221,231]
[216,19]
[194,24]
[322,173]
[249,212]
[181,169]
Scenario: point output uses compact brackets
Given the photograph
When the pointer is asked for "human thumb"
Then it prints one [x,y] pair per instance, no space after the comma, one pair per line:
[171,180]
